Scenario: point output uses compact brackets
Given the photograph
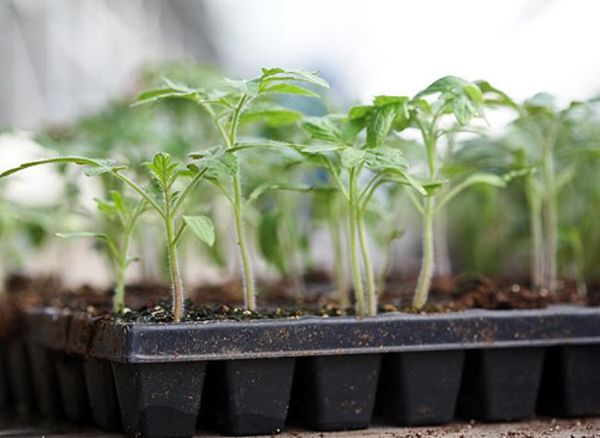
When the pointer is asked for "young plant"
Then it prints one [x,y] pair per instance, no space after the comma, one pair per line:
[226,106]
[121,215]
[464,101]
[166,173]
[536,137]
[348,158]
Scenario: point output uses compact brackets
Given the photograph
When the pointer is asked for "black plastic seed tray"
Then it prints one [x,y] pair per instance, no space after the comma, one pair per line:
[255,377]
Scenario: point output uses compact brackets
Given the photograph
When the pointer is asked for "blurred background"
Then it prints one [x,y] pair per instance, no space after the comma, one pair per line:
[62,60]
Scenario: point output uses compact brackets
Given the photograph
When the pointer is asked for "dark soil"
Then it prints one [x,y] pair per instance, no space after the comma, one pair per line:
[147,302]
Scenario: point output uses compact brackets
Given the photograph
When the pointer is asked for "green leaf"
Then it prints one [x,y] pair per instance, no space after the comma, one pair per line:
[463,109]
[495,97]
[271,114]
[271,75]
[248,87]
[219,162]
[164,169]
[359,112]
[285,88]
[380,125]
[119,202]
[322,128]
[169,91]
[261,143]
[102,166]
[352,157]
[202,227]
[385,158]
[388,100]
[451,85]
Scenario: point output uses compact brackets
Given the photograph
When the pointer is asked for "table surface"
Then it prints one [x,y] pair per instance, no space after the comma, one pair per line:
[14,426]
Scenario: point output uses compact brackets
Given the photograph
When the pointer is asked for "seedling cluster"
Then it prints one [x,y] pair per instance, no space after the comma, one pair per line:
[356,171]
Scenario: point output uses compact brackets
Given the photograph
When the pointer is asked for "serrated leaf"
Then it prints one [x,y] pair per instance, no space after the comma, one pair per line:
[385,158]
[202,227]
[271,114]
[448,84]
[248,87]
[351,157]
[463,109]
[271,75]
[164,169]
[322,128]
[380,125]
[285,88]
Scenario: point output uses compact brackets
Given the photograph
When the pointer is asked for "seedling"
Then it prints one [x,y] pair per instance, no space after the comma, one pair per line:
[166,173]
[535,136]
[345,155]
[226,106]
[464,101]
[121,215]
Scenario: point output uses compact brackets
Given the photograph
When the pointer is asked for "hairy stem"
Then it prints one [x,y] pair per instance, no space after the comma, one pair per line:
[369,274]
[176,282]
[335,232]
[537,243]
[229,138]
[427,265]
[354,261]
[248,278]
[550,224]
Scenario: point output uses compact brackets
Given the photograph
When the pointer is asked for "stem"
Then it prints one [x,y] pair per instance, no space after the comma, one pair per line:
[248,279]
[176,282]
[551,222]
[229,139]
[356,276]
[424,281]
[370,276]
[119,300]
[335,231]
[442,253]
[535,225]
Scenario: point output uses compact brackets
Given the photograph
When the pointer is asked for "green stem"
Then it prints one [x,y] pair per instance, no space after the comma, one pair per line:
[176,282]
[551,222]
[230,139]
[249,288]
[424,281]
[369,274]
[535,226]
[354,261]
[119,300]
[335,231]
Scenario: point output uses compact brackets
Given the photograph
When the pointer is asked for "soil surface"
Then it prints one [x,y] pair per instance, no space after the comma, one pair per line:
[11,426]
[149,302]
